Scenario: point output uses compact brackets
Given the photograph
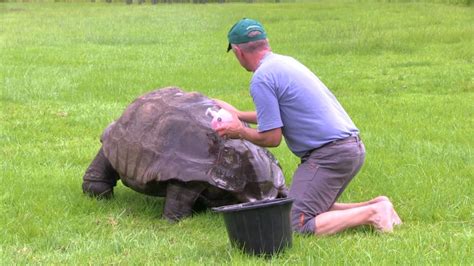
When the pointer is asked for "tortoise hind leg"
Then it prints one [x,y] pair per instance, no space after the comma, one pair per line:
[180,198]
[100,177]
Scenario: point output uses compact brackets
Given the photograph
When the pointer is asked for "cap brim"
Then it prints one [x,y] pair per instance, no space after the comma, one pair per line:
[229,47]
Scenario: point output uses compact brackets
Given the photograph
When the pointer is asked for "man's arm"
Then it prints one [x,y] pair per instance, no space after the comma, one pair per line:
[269,138]
[249,117]
[236,130]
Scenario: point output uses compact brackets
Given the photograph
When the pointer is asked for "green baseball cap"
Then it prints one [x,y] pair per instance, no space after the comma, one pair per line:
[239,33]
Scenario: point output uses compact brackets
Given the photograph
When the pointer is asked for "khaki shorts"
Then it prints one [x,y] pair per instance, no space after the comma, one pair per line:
[321,178]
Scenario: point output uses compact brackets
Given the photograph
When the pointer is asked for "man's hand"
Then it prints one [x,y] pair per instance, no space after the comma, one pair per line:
[246,116]
[226,106]
[233,129]
[236,130]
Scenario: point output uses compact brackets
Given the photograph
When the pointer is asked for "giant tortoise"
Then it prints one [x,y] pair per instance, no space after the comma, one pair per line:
[163,145]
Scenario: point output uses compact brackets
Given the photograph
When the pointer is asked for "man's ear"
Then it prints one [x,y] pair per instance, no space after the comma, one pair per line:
[237,50]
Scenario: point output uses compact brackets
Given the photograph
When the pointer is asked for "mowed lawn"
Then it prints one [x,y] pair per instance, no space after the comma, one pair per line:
[403,71]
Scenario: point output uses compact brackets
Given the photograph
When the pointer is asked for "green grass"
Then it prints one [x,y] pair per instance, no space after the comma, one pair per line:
[404,72]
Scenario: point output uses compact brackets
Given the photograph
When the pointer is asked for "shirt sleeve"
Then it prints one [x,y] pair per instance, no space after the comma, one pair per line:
[265,97]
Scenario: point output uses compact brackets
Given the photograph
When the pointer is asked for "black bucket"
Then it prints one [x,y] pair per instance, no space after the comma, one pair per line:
[260,227]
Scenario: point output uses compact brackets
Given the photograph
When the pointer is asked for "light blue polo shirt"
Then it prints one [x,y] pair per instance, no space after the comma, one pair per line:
[288,95]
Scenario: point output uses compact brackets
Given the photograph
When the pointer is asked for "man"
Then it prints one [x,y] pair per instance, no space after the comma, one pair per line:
[292,102]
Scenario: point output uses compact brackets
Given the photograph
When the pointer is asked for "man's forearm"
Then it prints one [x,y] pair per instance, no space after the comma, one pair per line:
[249,117]
[271,138]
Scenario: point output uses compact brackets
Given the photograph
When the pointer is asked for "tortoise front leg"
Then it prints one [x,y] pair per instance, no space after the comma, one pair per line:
[100,177]
[180,198]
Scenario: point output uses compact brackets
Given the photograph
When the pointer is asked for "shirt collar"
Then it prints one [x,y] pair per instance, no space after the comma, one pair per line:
[265,57]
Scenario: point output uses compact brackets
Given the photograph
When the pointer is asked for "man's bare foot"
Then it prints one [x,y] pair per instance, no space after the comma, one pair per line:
[379,199]
[382,218]
[396,219]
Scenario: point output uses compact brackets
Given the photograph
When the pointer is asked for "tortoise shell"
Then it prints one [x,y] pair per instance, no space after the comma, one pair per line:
[166,135]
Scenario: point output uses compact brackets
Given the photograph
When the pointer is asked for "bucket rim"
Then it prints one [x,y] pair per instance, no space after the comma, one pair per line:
[253,205]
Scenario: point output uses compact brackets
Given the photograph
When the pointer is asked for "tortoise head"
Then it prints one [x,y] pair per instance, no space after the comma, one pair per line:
[241,166]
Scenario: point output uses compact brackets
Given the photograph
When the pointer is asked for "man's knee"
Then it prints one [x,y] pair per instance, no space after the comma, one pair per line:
[303,223]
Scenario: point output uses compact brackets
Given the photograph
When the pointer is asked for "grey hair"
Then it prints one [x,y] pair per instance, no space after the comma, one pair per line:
[255,46]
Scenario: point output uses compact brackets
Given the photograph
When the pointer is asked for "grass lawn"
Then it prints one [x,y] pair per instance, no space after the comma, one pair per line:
[403,71]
